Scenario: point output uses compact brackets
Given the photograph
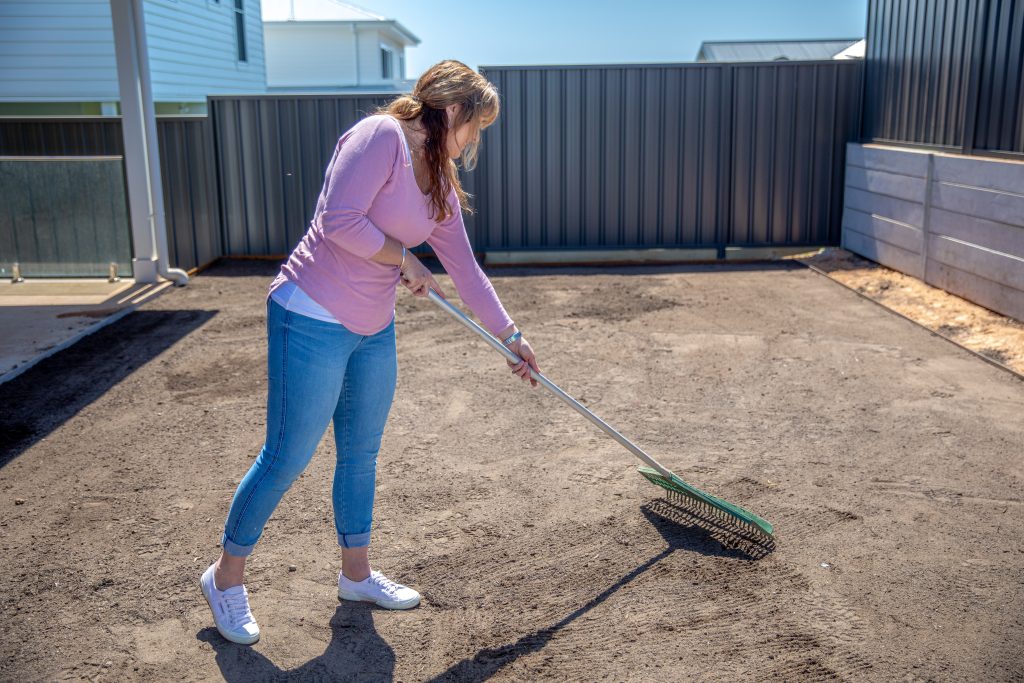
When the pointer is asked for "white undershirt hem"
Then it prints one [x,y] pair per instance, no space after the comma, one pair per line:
[293,299]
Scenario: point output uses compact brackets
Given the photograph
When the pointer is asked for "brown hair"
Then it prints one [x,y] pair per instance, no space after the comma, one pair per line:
[442,85]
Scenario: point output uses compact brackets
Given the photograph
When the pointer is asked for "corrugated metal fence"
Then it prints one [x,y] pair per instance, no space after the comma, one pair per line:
[618,156]
[680,155]
[999,121]
[191,201]
[272,152]
[675,155]
[948,75]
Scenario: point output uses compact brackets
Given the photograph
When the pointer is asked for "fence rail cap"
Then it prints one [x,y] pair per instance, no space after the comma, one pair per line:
[93,118]
[104,157]
[304,96]
[840,63]
[59,117]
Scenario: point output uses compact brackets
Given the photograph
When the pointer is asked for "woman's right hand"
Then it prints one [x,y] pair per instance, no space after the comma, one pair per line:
[528,361]
[417,277]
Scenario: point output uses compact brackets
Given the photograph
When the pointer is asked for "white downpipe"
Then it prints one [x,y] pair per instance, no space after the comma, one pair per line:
[355,41]
[156,188]
[142,153]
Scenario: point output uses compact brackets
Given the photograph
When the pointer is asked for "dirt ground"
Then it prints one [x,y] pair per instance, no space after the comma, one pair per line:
[889,460]
[997,337]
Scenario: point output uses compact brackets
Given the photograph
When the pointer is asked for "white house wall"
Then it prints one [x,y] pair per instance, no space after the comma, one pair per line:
[370,41]
[192,49]
[310,55]
[55,51]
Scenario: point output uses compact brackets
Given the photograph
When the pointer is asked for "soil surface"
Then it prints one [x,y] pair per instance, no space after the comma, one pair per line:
[889,460]
[997,337]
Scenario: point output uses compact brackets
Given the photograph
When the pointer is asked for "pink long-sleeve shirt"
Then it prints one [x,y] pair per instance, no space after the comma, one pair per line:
[370,192]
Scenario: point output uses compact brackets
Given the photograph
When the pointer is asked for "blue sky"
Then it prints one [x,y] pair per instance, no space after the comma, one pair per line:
[494,32]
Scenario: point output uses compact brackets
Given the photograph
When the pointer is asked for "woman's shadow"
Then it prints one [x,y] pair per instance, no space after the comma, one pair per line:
[356,651]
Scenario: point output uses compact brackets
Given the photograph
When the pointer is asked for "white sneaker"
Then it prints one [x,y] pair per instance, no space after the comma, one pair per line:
[230,609]
[378,589]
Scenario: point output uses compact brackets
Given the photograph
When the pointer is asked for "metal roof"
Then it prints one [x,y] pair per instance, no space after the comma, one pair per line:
[315,10]
[771,50]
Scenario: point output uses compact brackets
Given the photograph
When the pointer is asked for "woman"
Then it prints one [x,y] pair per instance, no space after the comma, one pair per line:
[391,184]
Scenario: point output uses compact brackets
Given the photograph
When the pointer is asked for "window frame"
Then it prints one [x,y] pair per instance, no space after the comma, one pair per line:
[241,47]
[387,62]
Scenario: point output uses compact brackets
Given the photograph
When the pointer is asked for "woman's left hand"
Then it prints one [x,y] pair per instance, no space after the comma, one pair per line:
[521,348]
[417,277]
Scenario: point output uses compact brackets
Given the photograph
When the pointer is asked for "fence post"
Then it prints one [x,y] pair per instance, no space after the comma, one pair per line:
[927,216]
[725,230]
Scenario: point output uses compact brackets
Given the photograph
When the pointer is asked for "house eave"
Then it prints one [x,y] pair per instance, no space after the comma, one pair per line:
[395,27]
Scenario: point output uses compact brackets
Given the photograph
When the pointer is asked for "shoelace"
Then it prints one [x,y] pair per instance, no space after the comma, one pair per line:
[386,584]
[238,608]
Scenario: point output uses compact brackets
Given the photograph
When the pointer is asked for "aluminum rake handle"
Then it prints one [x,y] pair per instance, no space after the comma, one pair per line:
[548,384]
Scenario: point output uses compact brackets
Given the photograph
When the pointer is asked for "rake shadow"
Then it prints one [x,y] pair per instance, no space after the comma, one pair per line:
[689,527]
[680,527]
[53,391]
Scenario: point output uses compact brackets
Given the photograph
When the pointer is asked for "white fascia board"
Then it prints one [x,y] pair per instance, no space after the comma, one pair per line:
[405,35]
[401,34]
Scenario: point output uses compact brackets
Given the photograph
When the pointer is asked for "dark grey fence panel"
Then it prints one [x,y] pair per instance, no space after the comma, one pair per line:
[61,136]
[1000,118]
[191,204]
[271,155]
[917,70]
[673,155]
[947,74]
[186,159]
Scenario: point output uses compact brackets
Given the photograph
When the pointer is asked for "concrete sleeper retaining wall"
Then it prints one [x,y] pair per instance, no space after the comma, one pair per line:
[954,222]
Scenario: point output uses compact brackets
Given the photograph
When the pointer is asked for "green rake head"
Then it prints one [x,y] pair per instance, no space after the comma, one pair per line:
[685,493]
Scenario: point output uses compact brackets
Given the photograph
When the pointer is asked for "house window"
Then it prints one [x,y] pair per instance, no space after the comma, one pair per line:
[385,63]
[240,30]
[401,66]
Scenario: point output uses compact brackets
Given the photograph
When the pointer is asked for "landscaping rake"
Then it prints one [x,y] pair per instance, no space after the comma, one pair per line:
[678,490]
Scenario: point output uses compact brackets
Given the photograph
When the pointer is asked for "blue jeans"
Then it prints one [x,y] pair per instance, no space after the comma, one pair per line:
[318,371]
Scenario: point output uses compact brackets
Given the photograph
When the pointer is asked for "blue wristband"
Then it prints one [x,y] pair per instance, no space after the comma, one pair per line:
[513,339]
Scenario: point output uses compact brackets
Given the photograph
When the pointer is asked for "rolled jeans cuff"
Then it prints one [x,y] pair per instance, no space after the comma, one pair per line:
[232,548]
[354,540]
